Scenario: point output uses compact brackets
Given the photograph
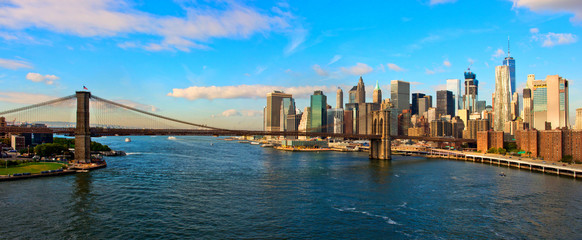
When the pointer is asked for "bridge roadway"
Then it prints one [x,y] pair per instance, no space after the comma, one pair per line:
[213,132]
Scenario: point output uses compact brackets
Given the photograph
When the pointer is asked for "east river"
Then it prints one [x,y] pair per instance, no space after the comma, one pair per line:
[201,187]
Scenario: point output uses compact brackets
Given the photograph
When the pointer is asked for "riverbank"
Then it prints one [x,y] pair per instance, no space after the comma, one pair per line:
[70,169]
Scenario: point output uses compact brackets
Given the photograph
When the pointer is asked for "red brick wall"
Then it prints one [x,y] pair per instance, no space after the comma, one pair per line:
[482,142]
[550,145]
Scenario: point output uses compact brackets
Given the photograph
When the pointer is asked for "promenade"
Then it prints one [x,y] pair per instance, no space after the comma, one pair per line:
[558,168]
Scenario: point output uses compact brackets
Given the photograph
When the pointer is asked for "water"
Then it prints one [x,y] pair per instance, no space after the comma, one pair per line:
[188,188]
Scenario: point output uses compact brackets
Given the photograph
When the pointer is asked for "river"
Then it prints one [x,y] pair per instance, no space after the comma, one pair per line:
[202,187]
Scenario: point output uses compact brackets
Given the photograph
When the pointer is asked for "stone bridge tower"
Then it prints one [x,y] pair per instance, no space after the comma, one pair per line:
[380,148]
[82,132]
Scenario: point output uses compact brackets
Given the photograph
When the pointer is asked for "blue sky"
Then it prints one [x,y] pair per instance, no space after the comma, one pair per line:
[213,62]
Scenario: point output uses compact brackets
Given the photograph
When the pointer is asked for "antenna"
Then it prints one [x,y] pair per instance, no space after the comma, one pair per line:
[508,49]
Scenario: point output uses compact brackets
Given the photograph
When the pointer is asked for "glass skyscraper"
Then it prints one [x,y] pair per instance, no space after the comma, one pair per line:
[454,85]
[318,110]
[509,61]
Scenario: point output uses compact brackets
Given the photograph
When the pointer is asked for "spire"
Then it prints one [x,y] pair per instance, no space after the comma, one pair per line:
[508,49]
[377,86]
[361,80]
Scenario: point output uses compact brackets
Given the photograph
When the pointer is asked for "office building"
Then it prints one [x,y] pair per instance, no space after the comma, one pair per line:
[400,95]
[273,110]
[305,122]
[339,101]
[414,106]
[471,91]
[287,109]
[445,103]
[550,103]
[318,110]
[432,114]
[578,125]
[527,107]
[515,106]
[335,118]
[454,85]
[424,103]
[377,96]
[360,91]
[502,104]
[510,62]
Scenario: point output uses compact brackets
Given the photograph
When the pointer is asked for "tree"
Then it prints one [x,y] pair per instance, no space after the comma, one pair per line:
[502,151]
[50,149]
[95,146]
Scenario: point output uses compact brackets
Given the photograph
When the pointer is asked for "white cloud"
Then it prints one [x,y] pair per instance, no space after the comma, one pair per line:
[297,36]
[145,107]
[447,63]
[14,64]
[245,113]
[107,18]
[571,6]
[334,59]
[231,113]
[429,72]
[498,53]
[24,98]
[37,77]
[359,69]
[435,2]
[433,71]
[244,91]
[260,69]
[394,67]
[551,39]
[534,30]
[320,71]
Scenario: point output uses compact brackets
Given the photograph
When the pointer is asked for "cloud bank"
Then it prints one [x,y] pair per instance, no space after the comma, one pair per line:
[14,64]
[244,91]
[571,6]
[395,67]
[358,70]
[115,17]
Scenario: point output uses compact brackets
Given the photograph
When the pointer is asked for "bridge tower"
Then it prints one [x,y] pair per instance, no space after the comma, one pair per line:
[380,148]
[82,132]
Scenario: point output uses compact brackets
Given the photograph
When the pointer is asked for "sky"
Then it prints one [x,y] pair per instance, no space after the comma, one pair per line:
[213,62]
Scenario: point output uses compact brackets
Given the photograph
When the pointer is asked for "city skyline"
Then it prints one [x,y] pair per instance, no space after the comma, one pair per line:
[219,71]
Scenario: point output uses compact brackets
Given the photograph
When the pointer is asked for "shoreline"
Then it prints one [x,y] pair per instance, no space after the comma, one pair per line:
[71,170]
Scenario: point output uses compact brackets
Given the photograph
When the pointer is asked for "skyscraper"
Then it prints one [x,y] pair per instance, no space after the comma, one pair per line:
[445,103]
[400,95]
[527,107]
[454,85]
[550,102]
[578,125]
[361,91]
[502,98]
[509,61]
[318,110]
[514,106]
[339,101]
[377,96]
[414,106]
[273,110]
[471,92]
[287,109]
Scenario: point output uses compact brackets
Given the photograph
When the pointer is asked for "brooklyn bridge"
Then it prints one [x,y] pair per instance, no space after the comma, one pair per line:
[96,117]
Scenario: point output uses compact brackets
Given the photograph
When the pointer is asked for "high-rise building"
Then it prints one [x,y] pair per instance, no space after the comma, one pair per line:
[515,106]
[318,109]
[273,110]
[510,62]
[335,118]
[471,91]
[353,95]
[454,85]
[527,107]
[377,96]
[287,109]
[445,103]
[550,102]
[361,91]
[400,95]
[305,122]
[339,101]
[414,106]
[578,125]
[502,105]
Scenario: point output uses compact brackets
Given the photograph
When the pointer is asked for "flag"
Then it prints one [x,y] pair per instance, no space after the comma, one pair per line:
[85,88]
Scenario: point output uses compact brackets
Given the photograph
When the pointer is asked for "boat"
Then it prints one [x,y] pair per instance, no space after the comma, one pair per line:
[267,145]
[502,174]
[82,171]
[211,144]
[171,138]
[255,143]
[127,139]
[243,141]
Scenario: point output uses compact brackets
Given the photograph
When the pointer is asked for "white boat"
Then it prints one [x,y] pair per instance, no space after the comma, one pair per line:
[255,143]
[267,145]
[171,138]
[127,139]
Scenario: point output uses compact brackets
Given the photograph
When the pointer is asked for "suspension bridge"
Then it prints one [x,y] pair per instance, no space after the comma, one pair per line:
[110,118]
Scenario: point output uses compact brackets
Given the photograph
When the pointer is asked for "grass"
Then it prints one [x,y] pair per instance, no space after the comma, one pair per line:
[30,168]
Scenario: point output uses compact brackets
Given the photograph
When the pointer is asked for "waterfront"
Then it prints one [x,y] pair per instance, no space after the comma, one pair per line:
[188,188]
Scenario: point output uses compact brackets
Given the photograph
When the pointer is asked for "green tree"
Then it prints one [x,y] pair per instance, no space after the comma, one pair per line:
[502,151]
[95,146]
[50,149]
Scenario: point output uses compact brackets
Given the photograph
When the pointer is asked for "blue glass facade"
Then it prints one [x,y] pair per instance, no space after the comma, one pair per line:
[509,61]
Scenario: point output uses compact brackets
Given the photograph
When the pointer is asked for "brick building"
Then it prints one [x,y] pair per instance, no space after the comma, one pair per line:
[551,145]
[489,139]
